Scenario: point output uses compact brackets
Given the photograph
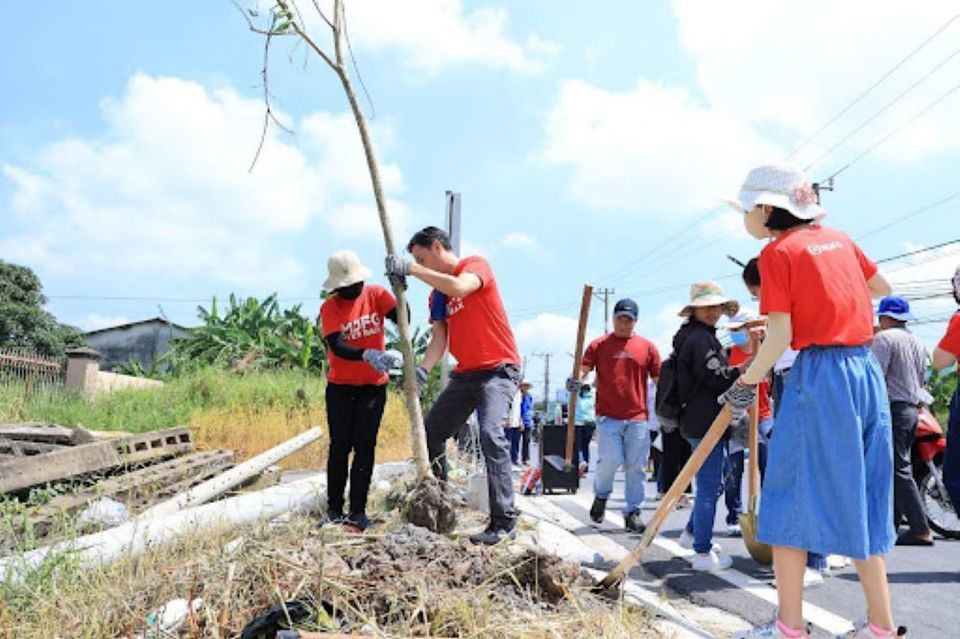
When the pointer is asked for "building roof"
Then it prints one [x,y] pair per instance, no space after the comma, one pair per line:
[153,320]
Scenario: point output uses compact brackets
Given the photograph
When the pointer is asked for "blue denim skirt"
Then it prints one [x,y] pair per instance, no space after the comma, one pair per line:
[829,480]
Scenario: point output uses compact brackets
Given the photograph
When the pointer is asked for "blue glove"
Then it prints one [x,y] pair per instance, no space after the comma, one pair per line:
[740,398]
[573,386]
[381,361]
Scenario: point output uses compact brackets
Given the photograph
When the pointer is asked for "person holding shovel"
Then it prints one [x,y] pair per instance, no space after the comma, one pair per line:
[829,480]
[352,319]
[624,361]
[703,372]
[466,309]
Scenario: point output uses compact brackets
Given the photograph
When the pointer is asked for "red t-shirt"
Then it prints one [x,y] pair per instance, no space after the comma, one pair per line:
[818,276]
[738,356]
[477,327]
[360,324]
[623,365]
[951,341]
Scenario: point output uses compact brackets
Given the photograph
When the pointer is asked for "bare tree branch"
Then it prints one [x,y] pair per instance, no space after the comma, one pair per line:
[268,115]
[356,69]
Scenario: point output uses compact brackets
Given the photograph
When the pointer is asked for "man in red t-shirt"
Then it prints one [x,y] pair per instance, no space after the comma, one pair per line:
[352,319]
[466,311]
[946,354]
[624,361]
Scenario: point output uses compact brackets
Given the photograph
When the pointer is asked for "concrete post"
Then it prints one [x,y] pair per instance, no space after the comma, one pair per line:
[83,364]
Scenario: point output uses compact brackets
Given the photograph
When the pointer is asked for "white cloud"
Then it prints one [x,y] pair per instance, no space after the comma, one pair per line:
[93,321]
[522,242]
[430,35]
[549,333]
[649,149]
[164,191]
[792,66]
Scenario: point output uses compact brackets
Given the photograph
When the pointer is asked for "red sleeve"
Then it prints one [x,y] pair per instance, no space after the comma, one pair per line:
[775,281]
[479,267]
[386,302]
[867,266]
[951,341]
[653,365]
[329,322]
[590,355]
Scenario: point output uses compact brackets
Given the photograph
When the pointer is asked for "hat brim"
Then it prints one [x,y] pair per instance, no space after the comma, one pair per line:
[747,200]
[359,275]
[626,314]
[900,317]
[730,307]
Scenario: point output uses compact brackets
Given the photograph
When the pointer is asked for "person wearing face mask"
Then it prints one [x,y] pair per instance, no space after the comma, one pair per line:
[741,351]
[829,479]
[703,372]
[351,321]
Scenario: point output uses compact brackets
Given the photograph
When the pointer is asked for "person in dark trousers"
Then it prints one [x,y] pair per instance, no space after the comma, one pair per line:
[944,355]
[466,310]
[351,321]
[526,417]
[702,374]
[586,424]
[903,360]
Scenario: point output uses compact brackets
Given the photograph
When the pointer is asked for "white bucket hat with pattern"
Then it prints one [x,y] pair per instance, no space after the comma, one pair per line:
[343,269]
[709,294]
[779,185]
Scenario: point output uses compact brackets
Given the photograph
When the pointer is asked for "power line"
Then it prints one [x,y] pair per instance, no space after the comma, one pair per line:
[916,252]
[908,216]
[873,86]
[873,117]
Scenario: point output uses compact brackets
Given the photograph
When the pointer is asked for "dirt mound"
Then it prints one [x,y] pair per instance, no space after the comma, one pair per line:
[432,504]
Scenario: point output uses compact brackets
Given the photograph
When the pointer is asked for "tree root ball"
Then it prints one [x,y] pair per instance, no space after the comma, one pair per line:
[432,504]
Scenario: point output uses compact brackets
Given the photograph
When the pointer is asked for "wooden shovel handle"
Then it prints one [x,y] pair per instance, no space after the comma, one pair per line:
[577,359]
[669,501]
[754,443]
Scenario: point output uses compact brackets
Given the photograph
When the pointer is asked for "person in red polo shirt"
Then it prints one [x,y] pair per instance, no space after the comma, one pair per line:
[946,354]
[829,481]
[352,320]
[466,311]
[624,361]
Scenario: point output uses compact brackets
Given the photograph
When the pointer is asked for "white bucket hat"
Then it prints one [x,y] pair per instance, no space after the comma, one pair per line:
[743,316]
[779,185]
[709,294]
[343,269]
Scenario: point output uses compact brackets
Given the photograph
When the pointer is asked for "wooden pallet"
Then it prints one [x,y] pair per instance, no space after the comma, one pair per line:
[18,473]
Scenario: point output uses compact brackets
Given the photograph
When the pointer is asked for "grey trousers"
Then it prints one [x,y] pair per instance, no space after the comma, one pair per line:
[490,393]
[906,497]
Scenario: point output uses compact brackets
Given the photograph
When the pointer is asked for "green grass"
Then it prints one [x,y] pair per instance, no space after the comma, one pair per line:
[177,402]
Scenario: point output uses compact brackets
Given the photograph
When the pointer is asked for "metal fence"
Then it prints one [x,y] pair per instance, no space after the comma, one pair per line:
[21,367]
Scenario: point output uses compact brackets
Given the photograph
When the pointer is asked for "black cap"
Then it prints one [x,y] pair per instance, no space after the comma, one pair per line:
[627,307]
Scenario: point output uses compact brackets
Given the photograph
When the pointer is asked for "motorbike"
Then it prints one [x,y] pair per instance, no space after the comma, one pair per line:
[927,454]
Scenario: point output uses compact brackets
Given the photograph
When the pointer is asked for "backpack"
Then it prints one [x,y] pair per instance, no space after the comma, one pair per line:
[668,406]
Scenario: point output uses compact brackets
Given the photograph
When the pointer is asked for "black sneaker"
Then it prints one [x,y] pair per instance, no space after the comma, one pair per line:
[358,520]
[598,509]
[633,523]
[332,517]
[493,535]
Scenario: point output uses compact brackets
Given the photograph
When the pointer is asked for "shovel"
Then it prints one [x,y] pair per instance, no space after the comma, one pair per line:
[669,501]
[761,553]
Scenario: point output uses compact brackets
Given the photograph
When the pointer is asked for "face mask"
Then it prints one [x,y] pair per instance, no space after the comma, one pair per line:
[755,221]
[739,338]
[956,285]
[351,292]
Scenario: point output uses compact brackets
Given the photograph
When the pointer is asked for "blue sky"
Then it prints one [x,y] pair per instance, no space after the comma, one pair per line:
[590,142]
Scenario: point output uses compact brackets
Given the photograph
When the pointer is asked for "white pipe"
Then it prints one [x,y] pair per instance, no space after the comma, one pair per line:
[202,493]
[136,536]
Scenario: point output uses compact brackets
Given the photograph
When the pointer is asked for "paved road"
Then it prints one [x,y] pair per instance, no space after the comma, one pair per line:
[924,582]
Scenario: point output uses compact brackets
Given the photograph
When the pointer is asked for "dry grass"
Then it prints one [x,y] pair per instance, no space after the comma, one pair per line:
[251,430]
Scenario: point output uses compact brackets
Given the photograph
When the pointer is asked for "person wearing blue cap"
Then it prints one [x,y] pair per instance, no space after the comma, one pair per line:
[903,360]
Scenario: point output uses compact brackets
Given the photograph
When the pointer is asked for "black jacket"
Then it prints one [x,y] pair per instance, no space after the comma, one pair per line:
[702,375]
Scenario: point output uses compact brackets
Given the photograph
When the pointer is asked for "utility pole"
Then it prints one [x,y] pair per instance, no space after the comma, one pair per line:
[604,294]
[452,219]
[826,186]
[523,368]
[546,379]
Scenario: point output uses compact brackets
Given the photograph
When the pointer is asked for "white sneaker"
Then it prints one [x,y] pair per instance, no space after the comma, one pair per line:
[768,631]
[862,631]
[836,562]
[711,562]
[734,530]
[811,578]
[686,541]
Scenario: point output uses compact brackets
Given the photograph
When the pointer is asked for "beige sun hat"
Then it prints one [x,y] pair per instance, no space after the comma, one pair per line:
[343,269]
[780,185]
[709,294]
